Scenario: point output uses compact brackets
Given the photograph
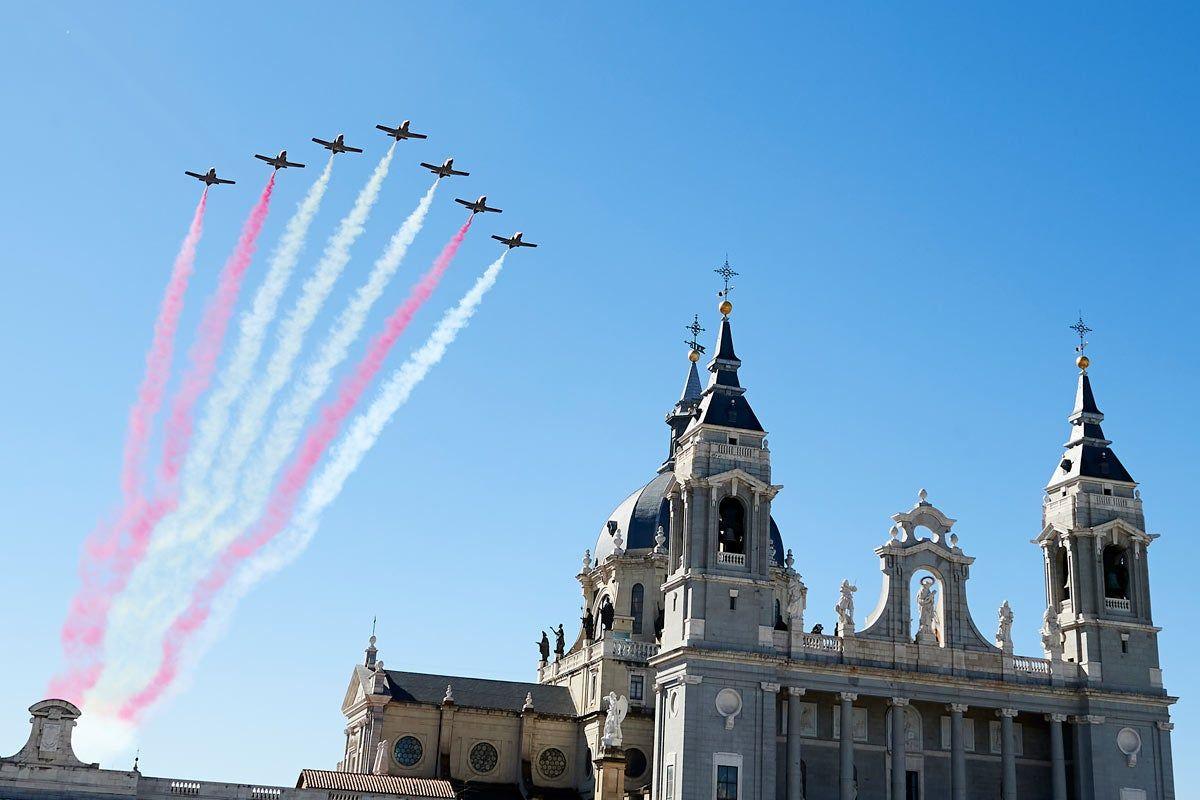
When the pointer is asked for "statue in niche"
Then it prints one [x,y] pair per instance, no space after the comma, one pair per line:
[660,621]
[544,647]
[1004,629]
[927,607]
[560,642]
[1052,635]
[845,608]
[617,709]
[607,614]
[589,625]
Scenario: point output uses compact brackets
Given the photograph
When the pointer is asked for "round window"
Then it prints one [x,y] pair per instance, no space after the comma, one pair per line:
[484,757]
[635,763]
[407,751]
[552,763]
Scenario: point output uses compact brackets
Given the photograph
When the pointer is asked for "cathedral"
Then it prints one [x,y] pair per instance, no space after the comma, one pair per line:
[693,675]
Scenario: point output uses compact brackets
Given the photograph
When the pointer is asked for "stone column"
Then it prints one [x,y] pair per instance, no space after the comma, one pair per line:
[1008,756]
[847,746]
[958,755]
[769,762]
[899,710]
[610,774]
[1058,760]
[1164,754]
[795,786]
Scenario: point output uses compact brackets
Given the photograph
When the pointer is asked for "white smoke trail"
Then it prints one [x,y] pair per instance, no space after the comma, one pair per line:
[142,613]
[366,428]
[254,324]
[364,431]
[280,440]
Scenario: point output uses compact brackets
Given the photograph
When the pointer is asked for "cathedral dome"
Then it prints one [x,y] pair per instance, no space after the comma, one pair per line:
[640,515]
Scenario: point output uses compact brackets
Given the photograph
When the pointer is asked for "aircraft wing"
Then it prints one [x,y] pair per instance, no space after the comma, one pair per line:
[412,135]
[527,244]
[350,149]
[493,210]
[387,130]
[223,180]
[457,172]
[267,159]
[501,239]
[291,164]
[430,166]
[194,174]
[461,202]
[322,142]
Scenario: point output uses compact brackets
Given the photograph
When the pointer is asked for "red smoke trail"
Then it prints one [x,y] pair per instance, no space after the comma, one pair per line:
[287,492]
[87,618]
[207,348]
[80,629]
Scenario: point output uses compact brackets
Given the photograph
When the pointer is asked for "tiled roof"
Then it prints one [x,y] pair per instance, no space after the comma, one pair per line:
[421,687]
[376,784]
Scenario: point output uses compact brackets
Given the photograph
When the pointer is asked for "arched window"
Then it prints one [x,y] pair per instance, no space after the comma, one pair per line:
[1116,572]
[731,536]
[637,601]
[1064,574]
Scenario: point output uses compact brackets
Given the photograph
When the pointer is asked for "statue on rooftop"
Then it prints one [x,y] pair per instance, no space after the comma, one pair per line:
[544,647]
[560,644]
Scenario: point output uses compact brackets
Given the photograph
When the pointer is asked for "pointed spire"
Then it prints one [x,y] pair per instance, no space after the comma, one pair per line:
[1088,454]
[724,402]
[685,407]
[692,388]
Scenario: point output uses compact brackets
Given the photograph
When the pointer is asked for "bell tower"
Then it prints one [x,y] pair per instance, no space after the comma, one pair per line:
[718,591]
[1095,554]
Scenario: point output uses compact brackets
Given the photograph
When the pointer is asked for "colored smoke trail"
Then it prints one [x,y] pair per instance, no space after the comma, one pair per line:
[285,430]
[141,616]
[279,367]
[83,627]
[207,348]
[283,500]
[253,332]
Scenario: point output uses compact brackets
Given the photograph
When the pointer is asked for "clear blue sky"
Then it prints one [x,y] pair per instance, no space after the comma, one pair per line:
[919,200]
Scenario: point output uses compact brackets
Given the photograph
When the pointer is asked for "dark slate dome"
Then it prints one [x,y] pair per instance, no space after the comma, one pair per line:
[641,514]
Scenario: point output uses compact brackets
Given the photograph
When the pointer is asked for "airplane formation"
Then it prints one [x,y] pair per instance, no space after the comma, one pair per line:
[399,133]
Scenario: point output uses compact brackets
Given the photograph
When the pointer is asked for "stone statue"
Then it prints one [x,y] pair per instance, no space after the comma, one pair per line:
[617,709]
[1052,635]
[845,608]
[927,605]
[560,642]
[544,647]
[797,598]
[1004,631]
[587,560]
[381,758]
[589,625]
[607,614]
[818,629]
[660,621]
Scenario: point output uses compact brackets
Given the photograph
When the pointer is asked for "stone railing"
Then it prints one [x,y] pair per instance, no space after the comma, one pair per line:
[733,559]
[736,450]
[821,642]
[265,792]
[187,788]
[1117,604]
[1040,666]
[629,650]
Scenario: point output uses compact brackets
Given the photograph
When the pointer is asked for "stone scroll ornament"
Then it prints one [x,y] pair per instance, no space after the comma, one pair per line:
[618,708]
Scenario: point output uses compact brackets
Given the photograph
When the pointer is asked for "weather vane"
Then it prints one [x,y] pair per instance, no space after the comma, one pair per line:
[1083,330]
[695,329]
[726,272]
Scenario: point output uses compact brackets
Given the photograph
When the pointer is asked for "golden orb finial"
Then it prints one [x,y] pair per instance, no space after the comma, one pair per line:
[693,356]
[725,307]
[1083,362]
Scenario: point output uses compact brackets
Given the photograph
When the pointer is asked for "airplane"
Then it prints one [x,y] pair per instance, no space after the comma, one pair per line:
[447,168]
[479,205]
[401,132]
[278,162]
[338,145]
[513,241]
[208,178]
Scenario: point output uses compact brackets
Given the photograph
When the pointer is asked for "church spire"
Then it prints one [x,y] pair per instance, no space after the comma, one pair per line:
[723,402]
[685,407]
[1088,454]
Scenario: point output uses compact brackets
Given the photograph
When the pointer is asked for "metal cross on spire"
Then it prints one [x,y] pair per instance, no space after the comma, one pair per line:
[695,329]
[726,272]
[1083,330]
